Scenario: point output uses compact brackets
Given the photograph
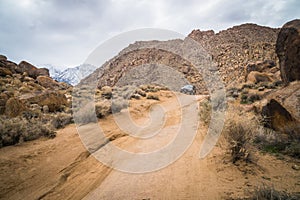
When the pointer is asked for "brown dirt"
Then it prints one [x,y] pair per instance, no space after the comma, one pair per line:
[61,168]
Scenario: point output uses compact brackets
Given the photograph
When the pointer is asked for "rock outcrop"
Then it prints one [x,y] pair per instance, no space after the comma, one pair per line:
[288,51]
[282,110]
[47,82]
[257,77]
[5,72]
[31,70]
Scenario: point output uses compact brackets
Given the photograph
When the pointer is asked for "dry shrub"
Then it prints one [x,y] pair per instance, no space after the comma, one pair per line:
[61,120]
[103,108]
[85,114]
[270,141]
[16,130]
[238,132]
[124,92]
[118,104]
[265,192]
[205,111]
[106,92]
[14,107]
[151,88]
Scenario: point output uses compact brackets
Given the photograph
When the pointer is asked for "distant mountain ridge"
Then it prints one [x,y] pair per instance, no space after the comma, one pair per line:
[70,75]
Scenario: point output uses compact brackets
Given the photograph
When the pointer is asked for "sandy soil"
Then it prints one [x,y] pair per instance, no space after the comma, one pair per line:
[61,168]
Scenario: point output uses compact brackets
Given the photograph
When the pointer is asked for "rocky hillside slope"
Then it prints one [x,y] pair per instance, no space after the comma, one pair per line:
[236,47]
[31,103]
[232,50]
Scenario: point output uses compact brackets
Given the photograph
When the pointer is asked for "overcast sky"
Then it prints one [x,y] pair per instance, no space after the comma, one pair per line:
[65,32]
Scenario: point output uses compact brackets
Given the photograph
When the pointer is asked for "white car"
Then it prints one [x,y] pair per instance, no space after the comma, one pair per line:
[188,89]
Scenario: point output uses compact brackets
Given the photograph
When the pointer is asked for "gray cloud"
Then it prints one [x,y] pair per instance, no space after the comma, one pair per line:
[65,32]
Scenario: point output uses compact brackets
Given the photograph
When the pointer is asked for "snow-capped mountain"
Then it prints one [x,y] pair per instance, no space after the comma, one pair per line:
[70,75]
[74,75]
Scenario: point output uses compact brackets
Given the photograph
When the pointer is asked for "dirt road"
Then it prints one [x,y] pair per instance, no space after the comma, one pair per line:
[61,168]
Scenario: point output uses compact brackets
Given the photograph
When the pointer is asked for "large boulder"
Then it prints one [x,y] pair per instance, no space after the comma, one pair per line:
[28,68]
[257,77]
[3,58]
[31,70]
[282,109]
[5,71]
[288,51]
[268,66]
[42,72]
[276,116]
[260,66]
[47,82]
[9,65]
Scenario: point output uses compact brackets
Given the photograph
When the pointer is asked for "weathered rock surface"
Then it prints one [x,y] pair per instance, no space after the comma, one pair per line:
[288,51]
[47,82]
[31,70]
[4,72]
[282,111]
[256,77]
[233,49]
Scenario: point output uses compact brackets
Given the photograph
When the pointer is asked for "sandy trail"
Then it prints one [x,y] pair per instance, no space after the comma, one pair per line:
[61,168]
[171,182]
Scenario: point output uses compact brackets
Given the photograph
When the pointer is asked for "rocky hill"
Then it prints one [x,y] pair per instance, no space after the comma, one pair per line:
[233,50]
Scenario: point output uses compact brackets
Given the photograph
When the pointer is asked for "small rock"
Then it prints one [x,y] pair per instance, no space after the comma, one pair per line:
[136,96]
[261,88]
[235,94]
[152,96]
[45,109]
[141,92]
[28,79]
[35,107]
[296,167]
